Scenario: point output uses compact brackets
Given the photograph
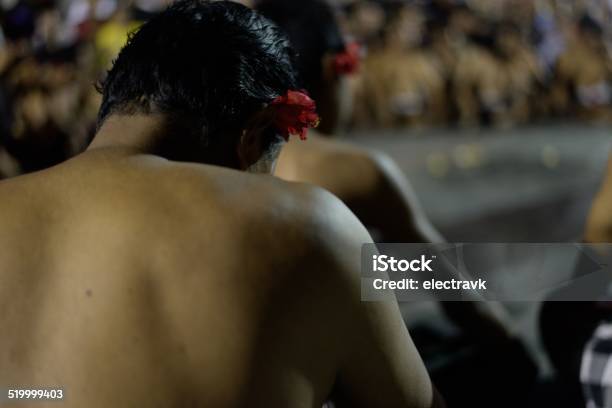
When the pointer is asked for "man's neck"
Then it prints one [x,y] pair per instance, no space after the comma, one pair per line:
[154,135]
[140,133]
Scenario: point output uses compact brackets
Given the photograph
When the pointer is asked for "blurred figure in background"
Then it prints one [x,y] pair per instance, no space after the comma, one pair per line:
[430,63]
[576,335]
[583,74]
[113,34]
[376,191]
[51,54]
[402,86]
[496,78]
[365,21]
[325,63]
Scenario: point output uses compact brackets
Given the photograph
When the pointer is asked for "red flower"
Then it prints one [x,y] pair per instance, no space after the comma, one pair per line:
[294,113]
[348,62]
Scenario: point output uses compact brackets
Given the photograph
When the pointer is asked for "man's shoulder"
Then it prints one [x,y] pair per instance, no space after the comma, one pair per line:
[324,152]
[293,217]
[299,211]
[182,192]
[299,231]
[318,227]
[259,203]
[253,195]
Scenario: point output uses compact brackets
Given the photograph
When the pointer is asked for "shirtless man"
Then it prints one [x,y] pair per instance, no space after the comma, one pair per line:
[403,84]
[583,79]
[368,182]
[150,272]
[495,81]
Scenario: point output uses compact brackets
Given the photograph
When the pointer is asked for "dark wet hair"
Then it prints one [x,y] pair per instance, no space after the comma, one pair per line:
[313,30]
[209,65]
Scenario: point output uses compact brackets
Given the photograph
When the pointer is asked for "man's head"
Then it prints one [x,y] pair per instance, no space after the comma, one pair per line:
[508,39]
[405,26]
[210,69]
[366,20]
[313,29]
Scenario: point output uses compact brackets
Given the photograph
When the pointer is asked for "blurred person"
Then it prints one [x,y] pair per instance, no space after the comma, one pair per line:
[450,27]
[480,86]
[566,331]
[581,85]
[149,270]
[575,334]
[441,47]
[496,79]
[44,81]
[595,374]
[48,25]
[456,25]
[402,85]
[524,71]
[113,34]
[49,108]
[368,182]
[365,20]
[35,138]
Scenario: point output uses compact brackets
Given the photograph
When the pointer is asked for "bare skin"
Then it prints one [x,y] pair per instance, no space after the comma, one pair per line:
[599,222]
[401,88]
[131,280]
[380,195]
[369,182]
[585,72]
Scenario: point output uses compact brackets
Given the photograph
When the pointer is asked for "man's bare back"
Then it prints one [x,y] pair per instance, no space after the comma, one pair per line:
[129,280]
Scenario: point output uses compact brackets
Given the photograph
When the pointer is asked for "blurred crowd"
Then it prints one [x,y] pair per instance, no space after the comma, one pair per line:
[482,62]
[425,63]
[52,53]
